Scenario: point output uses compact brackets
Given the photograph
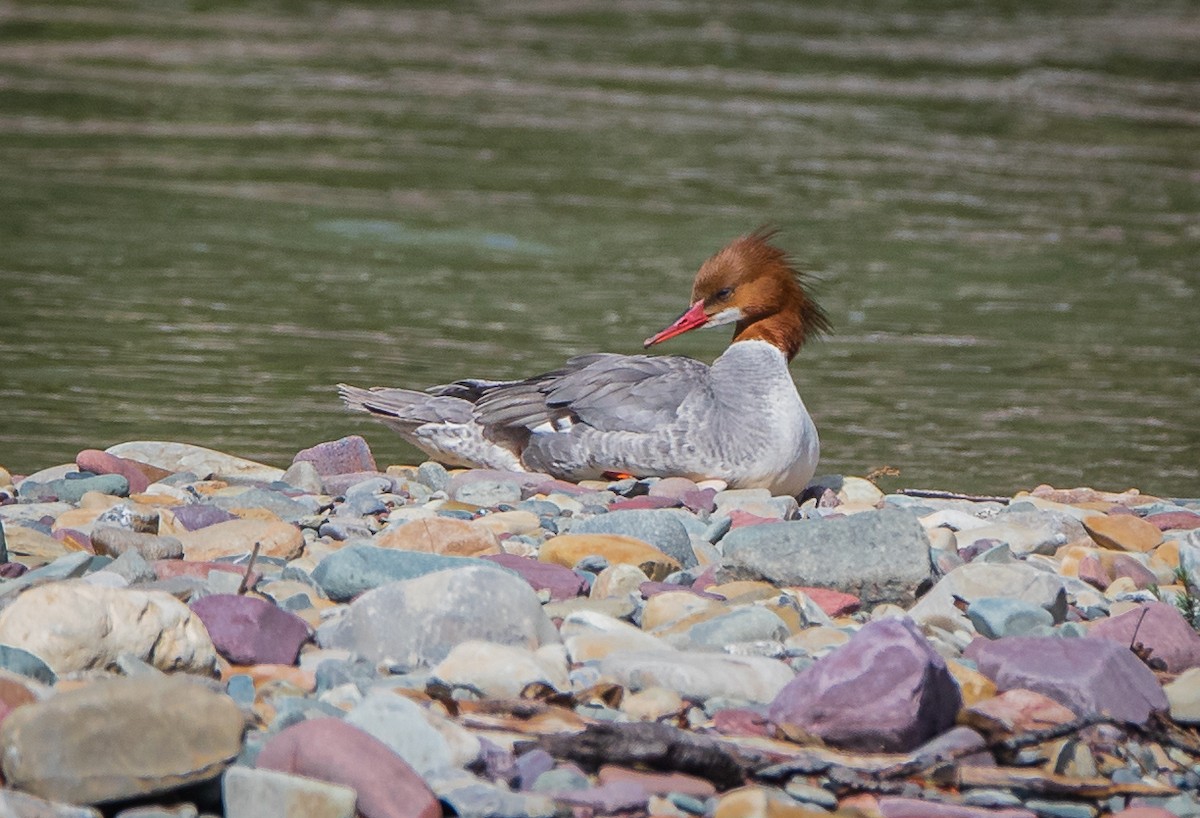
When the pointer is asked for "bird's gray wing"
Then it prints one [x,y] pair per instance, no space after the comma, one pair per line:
[608,392]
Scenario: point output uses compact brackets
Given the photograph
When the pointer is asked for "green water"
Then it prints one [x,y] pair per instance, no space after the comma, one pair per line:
[210,213]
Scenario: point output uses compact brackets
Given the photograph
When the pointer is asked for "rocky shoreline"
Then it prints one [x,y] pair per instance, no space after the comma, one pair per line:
[184,632]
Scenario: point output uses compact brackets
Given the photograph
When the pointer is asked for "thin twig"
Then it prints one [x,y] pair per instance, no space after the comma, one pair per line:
[245,583]
[934,494]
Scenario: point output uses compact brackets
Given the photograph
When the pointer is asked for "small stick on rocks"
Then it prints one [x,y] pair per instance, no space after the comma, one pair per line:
[245,583]
[934,494]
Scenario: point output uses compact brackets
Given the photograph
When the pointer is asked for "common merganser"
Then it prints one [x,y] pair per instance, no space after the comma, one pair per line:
[740,420]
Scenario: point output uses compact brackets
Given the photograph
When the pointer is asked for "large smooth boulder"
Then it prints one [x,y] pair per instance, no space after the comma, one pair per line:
[884,690]
[120,738]
[73,626]
[879,556]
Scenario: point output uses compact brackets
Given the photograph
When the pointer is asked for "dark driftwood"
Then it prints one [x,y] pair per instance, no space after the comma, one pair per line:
[651,745]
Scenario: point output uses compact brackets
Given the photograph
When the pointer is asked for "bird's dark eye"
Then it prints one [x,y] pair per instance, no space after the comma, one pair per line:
[723,295]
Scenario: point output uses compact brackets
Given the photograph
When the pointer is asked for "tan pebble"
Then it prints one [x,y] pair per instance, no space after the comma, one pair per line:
[5,478]
[1166,554]
[98,500]
[29,542]
[569,549]
[859,490]
[652,704]
[232,537]
[790,615]
[156,500]
[1121,585]
[744,591]
[1124,606]
[439,535]
[1070,556]
[818,640]
[974,686]
[618,580]
[943,539]
[208,488]
[78,519]
[510,522]
[1184,696]
[1123,532]
[662,610]
[400,470]
[761,802]
[255,513]
[503,671]
[856,507]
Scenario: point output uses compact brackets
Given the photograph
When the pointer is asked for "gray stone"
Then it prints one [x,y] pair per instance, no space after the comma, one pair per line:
[360,567]
[115,541]
[751,623]
[399,723]
[19,660]
[170,732]
[975,580]
[15,804]
[998,616]
[879,556]
[252,793]
[276,502]
[304,476]
[438,611]
[69,489]
[488,493]
[433,476]
[661,528]
[132,567]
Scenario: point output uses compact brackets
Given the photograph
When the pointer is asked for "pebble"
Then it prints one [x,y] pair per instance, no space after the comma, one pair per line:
[885,690]
[170,731]
[332,750]
[252,793]
[376,652]
[879,556]
[569,549]
[274,538]
[73,626]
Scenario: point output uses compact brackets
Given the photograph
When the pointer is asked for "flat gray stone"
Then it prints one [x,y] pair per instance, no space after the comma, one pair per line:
[253,793]
[415,623]
[879,556]
[661,528]
[358,568]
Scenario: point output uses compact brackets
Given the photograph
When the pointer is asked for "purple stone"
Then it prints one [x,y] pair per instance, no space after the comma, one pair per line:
[200,515]
[563,583]
[644,501]
[1085,675]
[12,570]
[329,749]
[343,456]
[1158,627]
[884,690]
[701,501]
[247,630]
